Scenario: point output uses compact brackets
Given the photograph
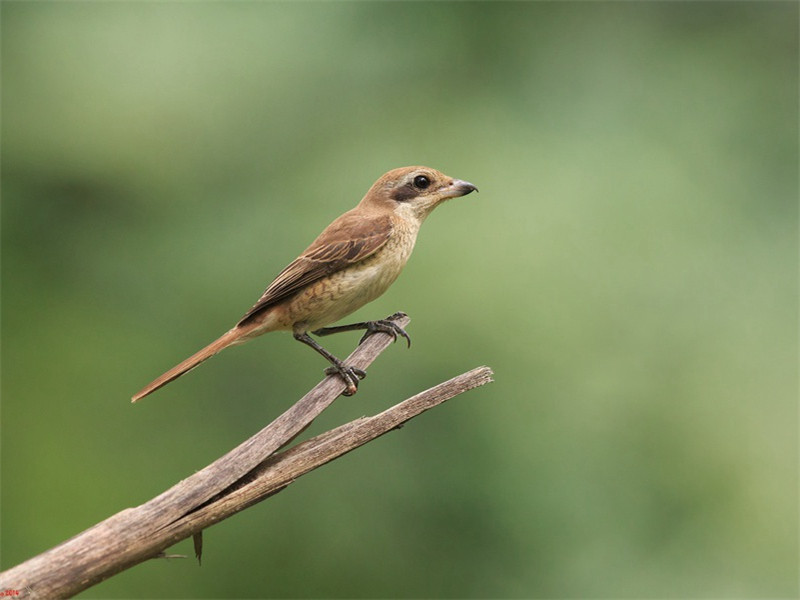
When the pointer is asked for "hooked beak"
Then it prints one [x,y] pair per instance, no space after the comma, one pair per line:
[457,188]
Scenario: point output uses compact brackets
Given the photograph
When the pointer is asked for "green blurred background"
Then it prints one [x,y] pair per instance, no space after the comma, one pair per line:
[629,270]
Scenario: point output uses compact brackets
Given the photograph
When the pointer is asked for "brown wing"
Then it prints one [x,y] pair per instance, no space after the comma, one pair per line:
[348,240]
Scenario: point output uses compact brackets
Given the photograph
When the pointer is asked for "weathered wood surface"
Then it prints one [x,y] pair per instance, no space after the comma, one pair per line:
[244,476]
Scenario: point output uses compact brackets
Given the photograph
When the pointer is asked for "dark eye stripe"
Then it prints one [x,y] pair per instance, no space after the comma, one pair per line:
[411,189]
[404,193]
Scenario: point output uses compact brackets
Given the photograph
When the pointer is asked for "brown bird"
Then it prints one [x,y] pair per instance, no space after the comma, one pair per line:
[352,262]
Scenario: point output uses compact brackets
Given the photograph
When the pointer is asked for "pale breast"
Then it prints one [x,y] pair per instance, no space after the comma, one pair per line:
[336,296]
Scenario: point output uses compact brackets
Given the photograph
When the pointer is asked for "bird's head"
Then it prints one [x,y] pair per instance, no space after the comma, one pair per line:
[415,190]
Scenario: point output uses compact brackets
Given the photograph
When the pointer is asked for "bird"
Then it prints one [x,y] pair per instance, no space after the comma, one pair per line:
[353,261]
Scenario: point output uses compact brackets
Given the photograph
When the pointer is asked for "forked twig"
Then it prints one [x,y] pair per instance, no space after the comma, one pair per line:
[244,476]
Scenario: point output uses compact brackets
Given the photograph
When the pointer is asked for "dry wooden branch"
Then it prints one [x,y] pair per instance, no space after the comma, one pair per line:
[246,475]
[278,471]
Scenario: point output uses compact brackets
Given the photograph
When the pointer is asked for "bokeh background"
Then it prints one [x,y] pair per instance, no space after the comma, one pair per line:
[629,270]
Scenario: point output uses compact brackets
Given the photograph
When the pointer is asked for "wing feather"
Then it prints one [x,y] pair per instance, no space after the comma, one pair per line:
[346,241]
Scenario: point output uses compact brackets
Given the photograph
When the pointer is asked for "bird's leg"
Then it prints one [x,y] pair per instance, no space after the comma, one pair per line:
[386,325]
[351,375]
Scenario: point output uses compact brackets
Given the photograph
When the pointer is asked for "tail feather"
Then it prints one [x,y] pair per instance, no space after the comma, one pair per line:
[231,337]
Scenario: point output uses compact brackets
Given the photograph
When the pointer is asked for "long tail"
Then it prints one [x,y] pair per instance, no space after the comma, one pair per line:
[227,339]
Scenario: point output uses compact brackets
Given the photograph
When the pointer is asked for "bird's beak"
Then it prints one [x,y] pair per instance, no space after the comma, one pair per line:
[458,188]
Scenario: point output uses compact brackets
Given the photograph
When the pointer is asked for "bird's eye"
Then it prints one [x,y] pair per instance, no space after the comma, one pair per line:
[421,182]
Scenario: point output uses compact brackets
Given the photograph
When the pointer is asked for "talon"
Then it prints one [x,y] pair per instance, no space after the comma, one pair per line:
[404,333]
[350,375]
[386,326]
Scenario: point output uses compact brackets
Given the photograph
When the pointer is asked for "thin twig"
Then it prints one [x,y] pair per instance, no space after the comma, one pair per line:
[241,478]
[280,470]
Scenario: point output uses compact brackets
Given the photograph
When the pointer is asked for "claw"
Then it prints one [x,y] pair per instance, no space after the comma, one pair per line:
[350,375]
[387,326]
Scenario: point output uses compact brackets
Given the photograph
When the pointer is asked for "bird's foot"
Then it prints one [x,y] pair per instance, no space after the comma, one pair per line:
[387,325]
[350,375]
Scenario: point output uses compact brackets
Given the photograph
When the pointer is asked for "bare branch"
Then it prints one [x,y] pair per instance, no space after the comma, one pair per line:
[277,472]
[244,476]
